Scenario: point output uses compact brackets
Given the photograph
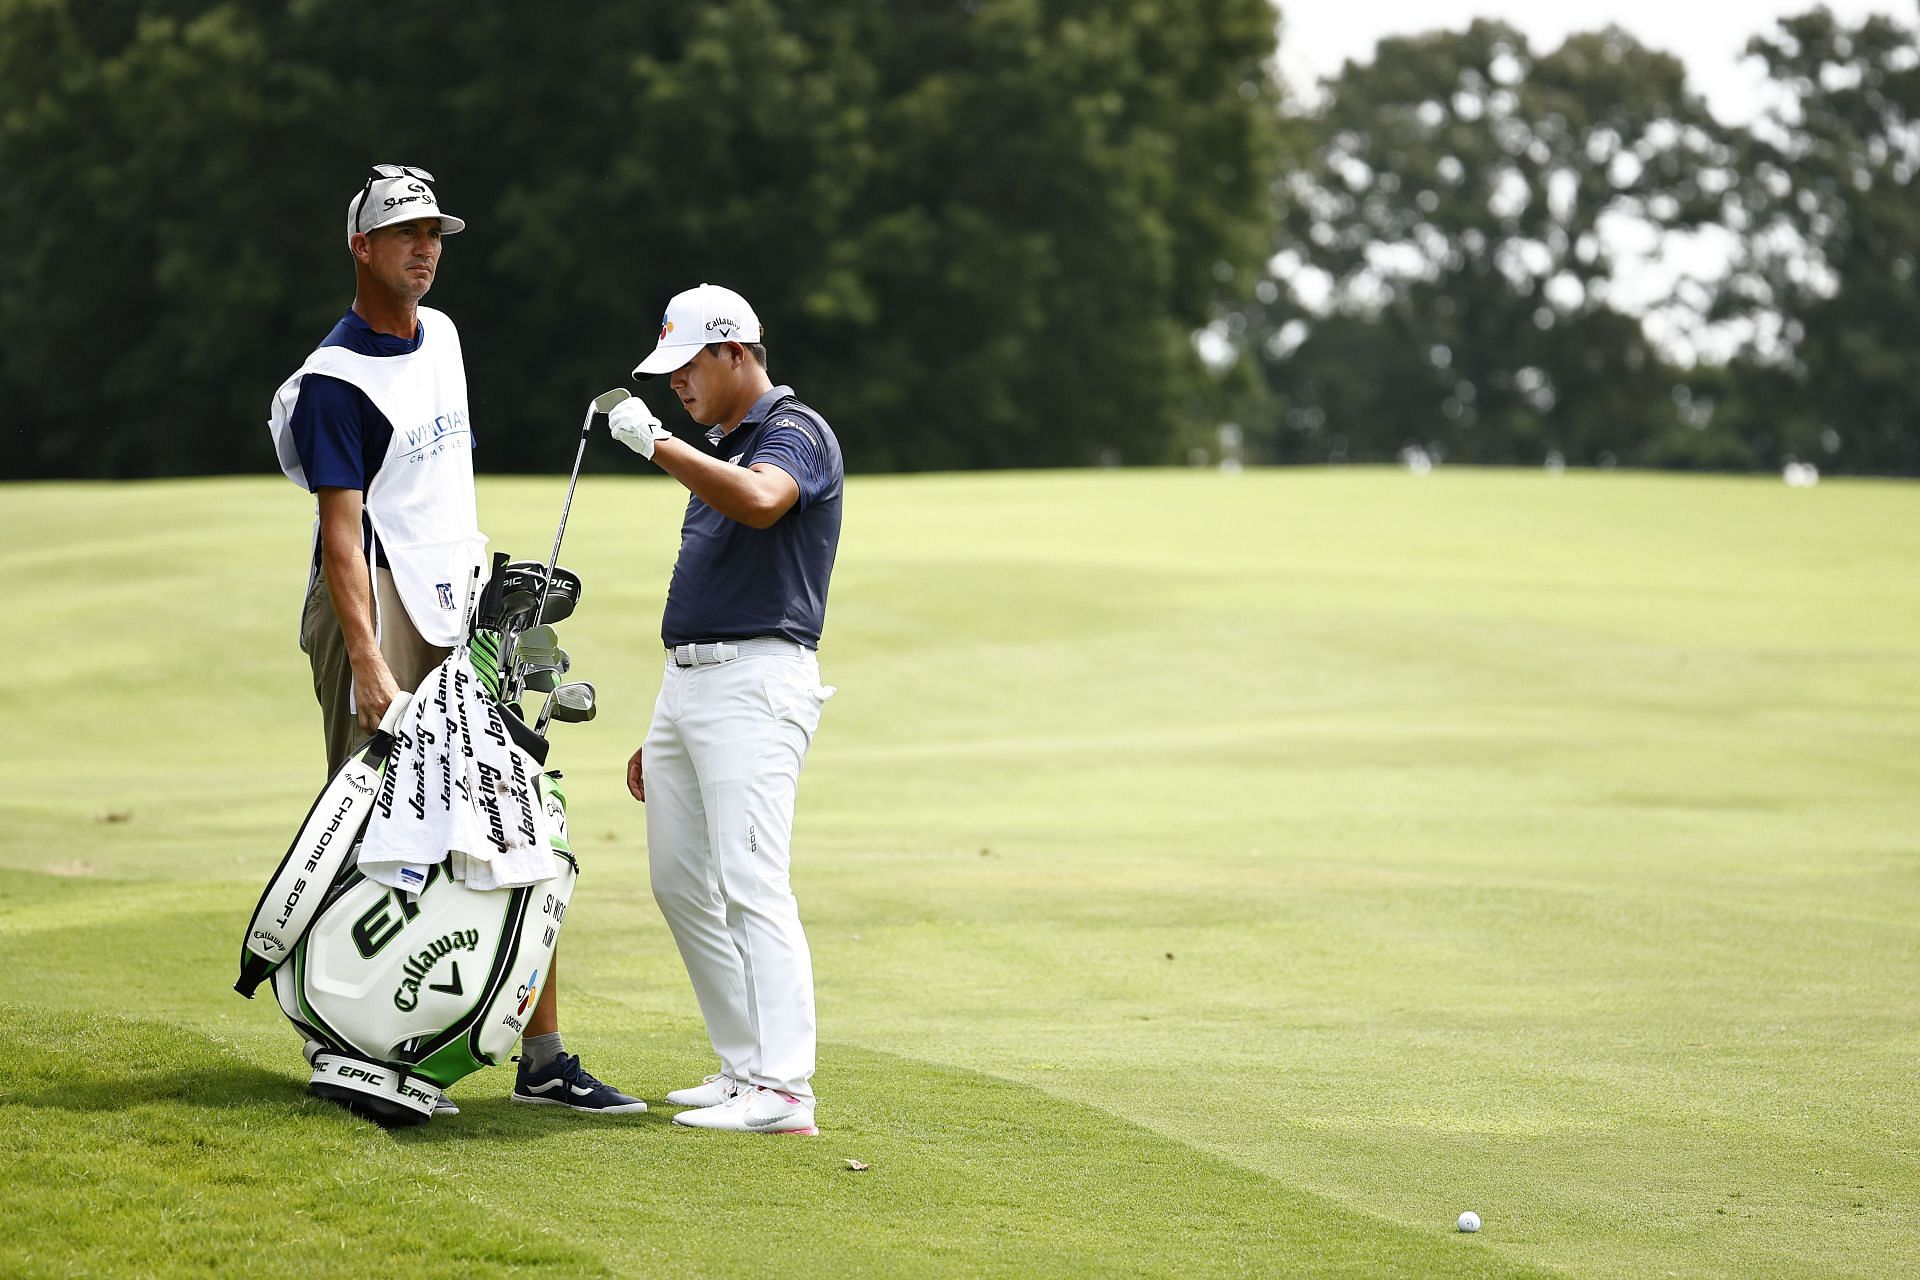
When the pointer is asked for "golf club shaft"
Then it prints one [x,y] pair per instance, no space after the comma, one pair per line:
[602,403]
[566,509]
[509,636]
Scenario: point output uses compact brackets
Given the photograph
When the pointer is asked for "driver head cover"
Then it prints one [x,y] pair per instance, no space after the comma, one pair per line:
[706,313]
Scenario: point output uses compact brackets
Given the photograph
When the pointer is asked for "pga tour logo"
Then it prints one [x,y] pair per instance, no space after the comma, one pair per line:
[444,590]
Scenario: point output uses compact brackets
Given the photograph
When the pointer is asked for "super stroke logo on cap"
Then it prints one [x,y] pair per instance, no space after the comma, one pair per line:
[417,193]
[396,193]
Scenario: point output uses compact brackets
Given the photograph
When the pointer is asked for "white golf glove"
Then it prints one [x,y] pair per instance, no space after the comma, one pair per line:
[634,426]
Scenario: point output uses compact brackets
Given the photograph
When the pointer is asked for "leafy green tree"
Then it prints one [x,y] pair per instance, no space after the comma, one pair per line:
[147,238]
[1832,221]
[979,232]
[1448,269]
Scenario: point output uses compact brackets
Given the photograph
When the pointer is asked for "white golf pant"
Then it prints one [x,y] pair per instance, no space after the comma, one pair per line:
[721,764]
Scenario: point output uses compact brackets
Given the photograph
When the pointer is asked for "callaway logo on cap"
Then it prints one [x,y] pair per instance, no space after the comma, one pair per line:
[708,313]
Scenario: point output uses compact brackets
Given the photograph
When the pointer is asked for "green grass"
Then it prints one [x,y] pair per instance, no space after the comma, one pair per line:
[1206,875]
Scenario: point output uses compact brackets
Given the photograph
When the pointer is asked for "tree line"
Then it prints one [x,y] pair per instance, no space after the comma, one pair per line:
[1462,246]
[981,233]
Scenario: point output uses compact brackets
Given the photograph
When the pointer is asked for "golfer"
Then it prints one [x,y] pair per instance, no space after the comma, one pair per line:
[375,424]
[739,702]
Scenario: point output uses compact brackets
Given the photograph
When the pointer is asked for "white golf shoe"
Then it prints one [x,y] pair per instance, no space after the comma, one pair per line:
[755,1110]
[710,1092]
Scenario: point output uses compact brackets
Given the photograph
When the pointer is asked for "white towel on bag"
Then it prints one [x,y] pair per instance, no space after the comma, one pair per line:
[456,787]
[522,862]
[525,865]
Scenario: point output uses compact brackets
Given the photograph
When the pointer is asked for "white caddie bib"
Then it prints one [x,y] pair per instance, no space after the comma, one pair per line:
[421,500]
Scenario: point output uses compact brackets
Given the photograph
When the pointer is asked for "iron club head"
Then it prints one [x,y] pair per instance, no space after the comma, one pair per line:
[537,643]
[540,672]
[574,703]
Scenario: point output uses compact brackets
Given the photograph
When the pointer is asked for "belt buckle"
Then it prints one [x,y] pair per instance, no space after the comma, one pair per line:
[704,655]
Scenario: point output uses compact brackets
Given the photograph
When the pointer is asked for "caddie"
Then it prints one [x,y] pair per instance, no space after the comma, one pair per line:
[739,702]
[375,423]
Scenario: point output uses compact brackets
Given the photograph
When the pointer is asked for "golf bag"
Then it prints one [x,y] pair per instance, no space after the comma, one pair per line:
[404,993]
[407,994]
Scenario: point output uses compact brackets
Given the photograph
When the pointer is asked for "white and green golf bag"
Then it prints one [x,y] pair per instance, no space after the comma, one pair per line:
[404,993]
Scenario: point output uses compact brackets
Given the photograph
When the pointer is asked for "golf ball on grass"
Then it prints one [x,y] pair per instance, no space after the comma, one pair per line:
[1469,1222]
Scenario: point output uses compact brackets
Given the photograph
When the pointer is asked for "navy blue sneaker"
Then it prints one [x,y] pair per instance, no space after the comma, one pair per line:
[565,1083]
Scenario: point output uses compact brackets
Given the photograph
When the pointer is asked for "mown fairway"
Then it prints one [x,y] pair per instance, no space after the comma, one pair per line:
[1206,875]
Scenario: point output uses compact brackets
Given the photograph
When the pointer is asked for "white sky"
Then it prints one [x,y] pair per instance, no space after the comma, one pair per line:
[1316,36]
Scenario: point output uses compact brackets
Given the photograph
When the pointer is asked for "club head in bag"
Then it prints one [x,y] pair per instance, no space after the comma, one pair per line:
[520,586]
[530,576]
[523,582]
[570,702]
[561,599]
[516,608]
[573,703]
[541,672]
[538,643]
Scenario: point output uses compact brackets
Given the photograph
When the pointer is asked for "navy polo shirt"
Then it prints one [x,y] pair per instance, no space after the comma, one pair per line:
[735,582]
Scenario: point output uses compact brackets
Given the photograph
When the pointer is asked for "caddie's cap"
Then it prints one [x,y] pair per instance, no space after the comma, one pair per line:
[709,313]
[396,193]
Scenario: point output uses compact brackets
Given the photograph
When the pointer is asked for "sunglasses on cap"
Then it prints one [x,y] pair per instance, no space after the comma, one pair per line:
[385,171]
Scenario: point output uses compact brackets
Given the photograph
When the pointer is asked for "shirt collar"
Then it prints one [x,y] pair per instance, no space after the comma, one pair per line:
[356,321]
[755,416]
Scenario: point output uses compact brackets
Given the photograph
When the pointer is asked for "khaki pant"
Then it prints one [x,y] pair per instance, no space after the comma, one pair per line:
[408,656]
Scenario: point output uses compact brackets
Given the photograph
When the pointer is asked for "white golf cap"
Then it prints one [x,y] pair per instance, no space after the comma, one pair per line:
[397,193]
[709,313]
